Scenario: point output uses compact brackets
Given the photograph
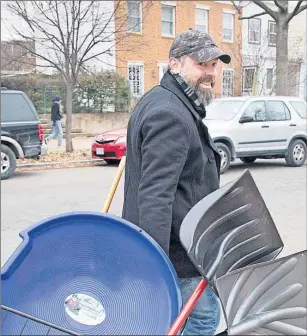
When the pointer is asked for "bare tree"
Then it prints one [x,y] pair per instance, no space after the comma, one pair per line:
[256,59]
[69,34]
[282,17]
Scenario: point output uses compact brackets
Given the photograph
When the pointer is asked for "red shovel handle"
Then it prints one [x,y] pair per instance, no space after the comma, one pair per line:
[187,308]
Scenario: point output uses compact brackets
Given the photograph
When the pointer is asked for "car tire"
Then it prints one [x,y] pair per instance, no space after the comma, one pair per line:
[225,156]
[297,153]
[8,162]
[248,159]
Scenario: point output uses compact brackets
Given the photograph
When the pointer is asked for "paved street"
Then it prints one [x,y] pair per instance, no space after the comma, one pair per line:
[33,196]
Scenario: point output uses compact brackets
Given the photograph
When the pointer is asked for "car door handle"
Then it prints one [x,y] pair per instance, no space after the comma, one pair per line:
[292,124]
[265,126]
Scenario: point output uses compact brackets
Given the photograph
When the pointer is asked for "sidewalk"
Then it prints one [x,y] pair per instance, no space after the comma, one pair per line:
[78,144]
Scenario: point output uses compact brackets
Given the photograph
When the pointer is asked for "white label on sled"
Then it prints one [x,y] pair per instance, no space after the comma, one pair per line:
[84,309]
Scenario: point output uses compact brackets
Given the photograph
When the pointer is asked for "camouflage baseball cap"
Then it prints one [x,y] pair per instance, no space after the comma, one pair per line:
[198,45]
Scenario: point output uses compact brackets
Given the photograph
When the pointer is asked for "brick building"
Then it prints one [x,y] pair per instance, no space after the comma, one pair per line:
[15,57]
[152,25]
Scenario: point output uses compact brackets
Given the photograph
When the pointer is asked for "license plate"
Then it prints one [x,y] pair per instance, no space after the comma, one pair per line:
[100,151]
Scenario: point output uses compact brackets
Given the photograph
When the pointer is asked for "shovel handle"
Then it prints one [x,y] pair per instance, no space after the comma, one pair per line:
[187,308]
[109,199]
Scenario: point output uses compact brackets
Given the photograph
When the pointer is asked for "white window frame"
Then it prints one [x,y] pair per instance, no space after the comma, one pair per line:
[244,89]
[249,31]
[136,63]
[141,16]
[206,9]
[233,81]
[161,66]
[269,33]
[173,6]
[232,13]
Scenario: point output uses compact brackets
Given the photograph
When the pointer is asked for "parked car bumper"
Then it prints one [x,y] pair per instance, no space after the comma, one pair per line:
[44,149]
[109,151]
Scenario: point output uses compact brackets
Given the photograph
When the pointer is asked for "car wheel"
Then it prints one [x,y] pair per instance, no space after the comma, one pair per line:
[248,159]
[8,162]
[297,152]
[225,156]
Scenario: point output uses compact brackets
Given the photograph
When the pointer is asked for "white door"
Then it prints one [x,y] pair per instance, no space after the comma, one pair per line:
[252,137]
[280,125]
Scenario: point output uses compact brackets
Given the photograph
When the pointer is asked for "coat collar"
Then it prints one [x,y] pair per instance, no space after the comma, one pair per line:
[170,84]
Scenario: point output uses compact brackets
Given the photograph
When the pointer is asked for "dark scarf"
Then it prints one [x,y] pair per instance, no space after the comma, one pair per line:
[190,93]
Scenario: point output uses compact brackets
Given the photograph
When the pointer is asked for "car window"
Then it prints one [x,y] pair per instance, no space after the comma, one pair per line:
[256,110]
[277,111]
[15,108]
[223,110]
[300,108]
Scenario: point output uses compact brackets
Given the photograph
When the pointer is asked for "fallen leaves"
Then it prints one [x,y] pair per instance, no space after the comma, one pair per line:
[61,159]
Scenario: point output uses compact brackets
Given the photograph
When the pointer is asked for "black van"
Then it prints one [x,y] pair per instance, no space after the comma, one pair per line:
[21,131]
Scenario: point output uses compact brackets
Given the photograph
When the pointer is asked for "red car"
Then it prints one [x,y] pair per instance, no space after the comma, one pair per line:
[110,146]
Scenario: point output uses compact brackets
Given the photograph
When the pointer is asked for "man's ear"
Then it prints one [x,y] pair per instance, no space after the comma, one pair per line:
[174,65]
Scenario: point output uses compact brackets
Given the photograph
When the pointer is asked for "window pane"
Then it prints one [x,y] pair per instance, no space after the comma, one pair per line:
[248,79]
[227,20]
[15,108]
[277,111]
[300,108]
[167,13]
[227,83]
[202,28]
[256,110]
[227,34]
[136,79]
[134,24]
[167,28]
[134,16]
[133,8]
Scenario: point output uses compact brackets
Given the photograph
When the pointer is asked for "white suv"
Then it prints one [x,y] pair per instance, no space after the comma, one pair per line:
[258,127]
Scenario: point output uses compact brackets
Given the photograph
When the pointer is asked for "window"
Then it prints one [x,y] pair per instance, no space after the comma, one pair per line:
[228,27]
[163,66]
[300,108]
[134,11]
[248,78]
[272,33]
[254,31]
[227,83]
[223,110]
[256,110]
[168,20]
[277,111]
[136,78]
[202,19]
[15,108]
[269,78]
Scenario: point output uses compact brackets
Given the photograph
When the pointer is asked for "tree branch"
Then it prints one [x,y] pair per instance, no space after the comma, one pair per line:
[252,16]
[280,6]
[269,11]
[296,11]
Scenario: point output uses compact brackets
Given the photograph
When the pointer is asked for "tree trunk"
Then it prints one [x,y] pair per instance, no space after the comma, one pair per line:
[69,97]
[282,57]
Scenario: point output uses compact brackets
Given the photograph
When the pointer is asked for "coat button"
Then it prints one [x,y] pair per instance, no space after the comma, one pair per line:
[211,159]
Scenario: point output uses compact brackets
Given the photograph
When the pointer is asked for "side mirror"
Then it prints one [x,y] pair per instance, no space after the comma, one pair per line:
[246,119]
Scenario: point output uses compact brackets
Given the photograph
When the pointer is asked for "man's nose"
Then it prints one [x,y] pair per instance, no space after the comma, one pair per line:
[211,71]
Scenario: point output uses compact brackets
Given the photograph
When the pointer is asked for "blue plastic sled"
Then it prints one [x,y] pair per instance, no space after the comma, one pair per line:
[89,273]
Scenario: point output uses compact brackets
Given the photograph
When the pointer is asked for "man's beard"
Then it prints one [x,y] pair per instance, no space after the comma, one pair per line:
[204,95]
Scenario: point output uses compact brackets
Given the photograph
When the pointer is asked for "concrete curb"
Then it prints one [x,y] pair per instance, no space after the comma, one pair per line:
[30,165]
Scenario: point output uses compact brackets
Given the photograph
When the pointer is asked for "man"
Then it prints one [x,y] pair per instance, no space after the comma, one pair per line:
[56,116]
[172,162]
